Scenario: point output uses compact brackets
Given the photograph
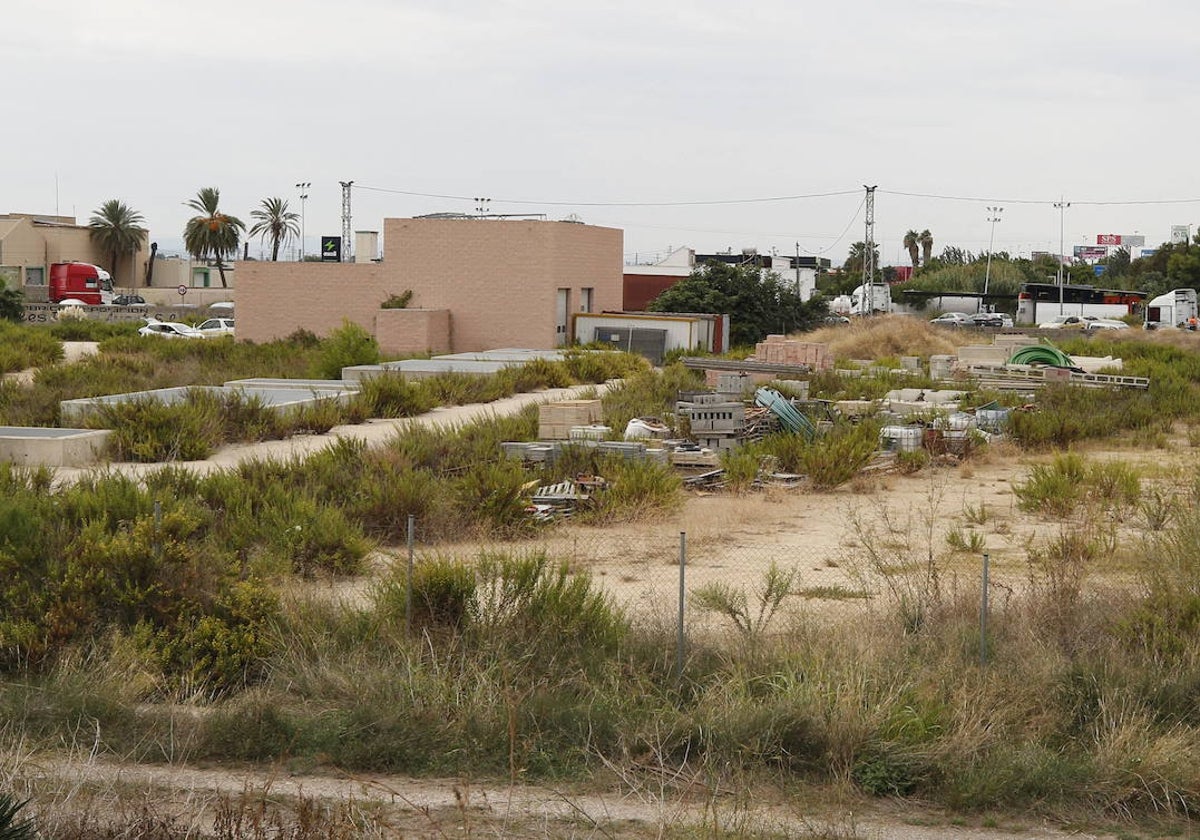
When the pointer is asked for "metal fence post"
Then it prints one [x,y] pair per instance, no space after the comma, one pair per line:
[680,641]
[408,587]
[983,615]
[156,546]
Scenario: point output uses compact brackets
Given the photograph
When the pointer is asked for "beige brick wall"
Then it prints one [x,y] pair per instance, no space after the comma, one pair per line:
[276,299]
[405,331]
[499,280]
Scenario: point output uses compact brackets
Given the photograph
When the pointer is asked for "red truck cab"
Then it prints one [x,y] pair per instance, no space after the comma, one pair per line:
[80,281]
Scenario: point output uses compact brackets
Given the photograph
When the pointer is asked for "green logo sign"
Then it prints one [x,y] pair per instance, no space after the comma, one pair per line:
[331,249]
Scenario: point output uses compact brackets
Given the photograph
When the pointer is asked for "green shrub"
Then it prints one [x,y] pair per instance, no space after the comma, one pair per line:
[23,347]
[741,466]
[346,346]
[400,301]
[530,604]
[493,496]
[12,827]
[1059,487]
[840,455]
[391,395]
[147,429]
[443,595]
[636,490]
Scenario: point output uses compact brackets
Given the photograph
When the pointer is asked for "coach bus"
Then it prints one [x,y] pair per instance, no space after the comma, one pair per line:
[1038,302]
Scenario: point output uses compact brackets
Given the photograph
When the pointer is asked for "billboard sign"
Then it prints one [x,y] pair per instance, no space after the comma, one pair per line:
[331,249]
[1179,234]
[1124,240]
[1090,252]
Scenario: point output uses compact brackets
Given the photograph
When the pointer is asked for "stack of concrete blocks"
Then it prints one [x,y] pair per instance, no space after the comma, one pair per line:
[781,350]
[556,419]
[596,432]
[736,385]
[982,354]
[715,420]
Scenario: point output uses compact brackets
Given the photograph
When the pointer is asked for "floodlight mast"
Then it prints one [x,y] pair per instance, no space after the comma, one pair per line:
[303,187]
[1062,211]
[993,217]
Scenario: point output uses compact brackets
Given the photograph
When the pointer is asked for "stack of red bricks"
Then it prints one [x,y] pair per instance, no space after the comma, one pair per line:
[779,349]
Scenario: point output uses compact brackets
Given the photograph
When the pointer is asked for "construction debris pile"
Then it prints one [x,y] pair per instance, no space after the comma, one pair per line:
[709,423]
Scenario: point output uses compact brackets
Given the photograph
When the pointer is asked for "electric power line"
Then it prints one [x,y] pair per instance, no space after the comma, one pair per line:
[1049,202]
[713,202]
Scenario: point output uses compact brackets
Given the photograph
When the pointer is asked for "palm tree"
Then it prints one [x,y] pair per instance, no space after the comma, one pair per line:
[212,234]
[926,240]
[855,258]
[273,221]
[911,240]
[118,230]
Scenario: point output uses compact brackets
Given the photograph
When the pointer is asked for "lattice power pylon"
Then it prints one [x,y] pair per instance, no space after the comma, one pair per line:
[346,185]
[868,275]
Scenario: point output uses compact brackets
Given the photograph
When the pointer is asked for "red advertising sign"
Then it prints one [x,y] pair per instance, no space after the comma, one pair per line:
[1108,239]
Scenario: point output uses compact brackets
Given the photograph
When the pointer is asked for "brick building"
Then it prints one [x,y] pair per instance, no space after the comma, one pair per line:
[476,284]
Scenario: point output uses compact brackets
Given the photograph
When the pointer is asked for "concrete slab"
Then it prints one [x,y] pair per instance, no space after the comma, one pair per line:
[279,399]
[510,354]
[40,446]
[425,368]
[307,384]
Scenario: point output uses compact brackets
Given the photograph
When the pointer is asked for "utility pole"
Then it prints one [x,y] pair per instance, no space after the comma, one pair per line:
[993,217]
[797,269]
[346,185]
[1062,213]
[869,254]
[303,187]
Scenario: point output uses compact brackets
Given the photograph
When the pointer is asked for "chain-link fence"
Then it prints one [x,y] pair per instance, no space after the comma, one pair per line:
[663,579]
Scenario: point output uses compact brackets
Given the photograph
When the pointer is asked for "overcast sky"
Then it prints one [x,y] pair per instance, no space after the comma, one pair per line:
[593,108]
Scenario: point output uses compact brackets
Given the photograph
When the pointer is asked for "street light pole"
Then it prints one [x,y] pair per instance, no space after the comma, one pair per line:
[303,187]
[993,217]
[1062,212]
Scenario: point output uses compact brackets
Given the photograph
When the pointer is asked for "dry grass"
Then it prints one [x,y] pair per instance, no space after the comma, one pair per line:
[890,336]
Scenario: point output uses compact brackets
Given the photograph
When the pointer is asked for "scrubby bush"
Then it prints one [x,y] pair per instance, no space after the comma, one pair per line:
[346,346]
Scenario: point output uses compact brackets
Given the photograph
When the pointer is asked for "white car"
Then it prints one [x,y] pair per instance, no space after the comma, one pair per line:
[952,319]
[1059,322]
[170,329]
[1105,324]
[216,327]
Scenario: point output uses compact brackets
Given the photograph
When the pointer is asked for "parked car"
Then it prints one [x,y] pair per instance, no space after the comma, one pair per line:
[1105,324]
[1060,322]
[836,320]
[216,327]
[129,300]
[987,319]
[952,319]
[170,329]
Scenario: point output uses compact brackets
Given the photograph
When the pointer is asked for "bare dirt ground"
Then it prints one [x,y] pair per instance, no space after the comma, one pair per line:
[729,537]
[439,808]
